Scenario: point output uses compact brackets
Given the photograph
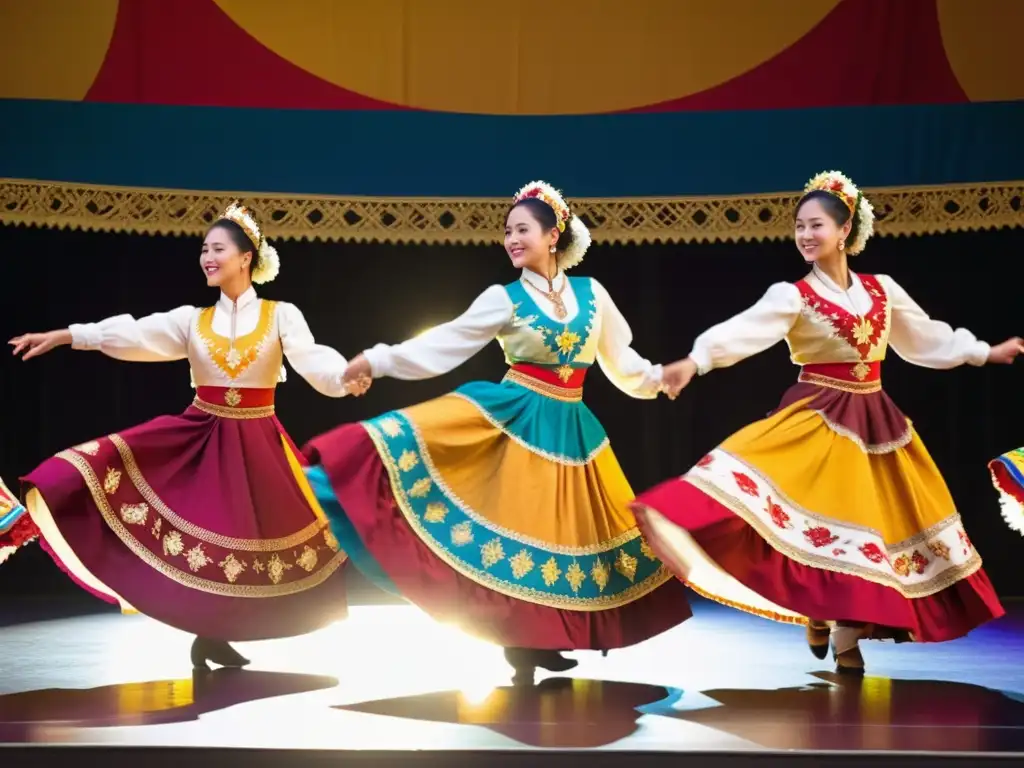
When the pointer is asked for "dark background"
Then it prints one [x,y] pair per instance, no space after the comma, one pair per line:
[354,295]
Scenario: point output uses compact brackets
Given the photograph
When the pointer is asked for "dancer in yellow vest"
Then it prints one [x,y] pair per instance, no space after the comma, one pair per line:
[202,520]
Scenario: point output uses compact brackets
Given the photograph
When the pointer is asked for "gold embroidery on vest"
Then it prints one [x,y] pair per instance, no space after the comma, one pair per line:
[234,360]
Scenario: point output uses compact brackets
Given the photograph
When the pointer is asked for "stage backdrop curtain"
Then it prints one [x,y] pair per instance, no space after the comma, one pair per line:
[400,121]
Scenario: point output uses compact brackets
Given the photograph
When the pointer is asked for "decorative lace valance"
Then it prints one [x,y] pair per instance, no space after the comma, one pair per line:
[903,211]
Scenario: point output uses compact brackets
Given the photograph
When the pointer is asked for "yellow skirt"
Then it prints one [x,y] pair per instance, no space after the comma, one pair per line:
[503,509]
[830,508]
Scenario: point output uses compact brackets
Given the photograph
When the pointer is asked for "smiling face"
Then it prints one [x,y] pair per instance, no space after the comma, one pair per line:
[527,243]
[222,259]
[817,232]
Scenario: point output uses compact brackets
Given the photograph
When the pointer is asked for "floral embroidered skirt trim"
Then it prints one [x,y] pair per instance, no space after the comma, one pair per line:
[501,509]
[202,522]
[831,508]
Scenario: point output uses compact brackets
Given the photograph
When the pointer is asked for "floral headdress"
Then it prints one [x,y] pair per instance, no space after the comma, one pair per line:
[268,263]
[543,191]
[835,183]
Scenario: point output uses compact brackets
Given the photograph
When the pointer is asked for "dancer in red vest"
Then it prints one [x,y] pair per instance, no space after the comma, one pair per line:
[830,511]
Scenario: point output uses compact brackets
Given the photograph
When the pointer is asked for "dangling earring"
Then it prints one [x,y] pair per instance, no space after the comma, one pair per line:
[842,244]
[552,249]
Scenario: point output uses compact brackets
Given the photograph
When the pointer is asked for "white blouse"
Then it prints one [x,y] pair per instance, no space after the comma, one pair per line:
[445,347]
[915,336]
[166,336]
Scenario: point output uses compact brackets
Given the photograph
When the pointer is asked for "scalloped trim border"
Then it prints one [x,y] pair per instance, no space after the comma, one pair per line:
[902,211]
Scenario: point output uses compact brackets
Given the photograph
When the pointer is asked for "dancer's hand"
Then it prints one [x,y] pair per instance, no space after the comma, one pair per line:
[676,376]
[35,344]
[1005,353]
[359,387]
[358,376]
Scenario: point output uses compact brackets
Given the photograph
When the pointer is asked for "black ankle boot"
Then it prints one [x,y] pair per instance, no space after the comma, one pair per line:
[219,652]
[525,662]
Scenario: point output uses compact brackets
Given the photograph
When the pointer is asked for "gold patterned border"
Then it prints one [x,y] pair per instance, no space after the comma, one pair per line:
[563,394]
[853,387]
[177,575]
[900,211]
[173,518]
[487,580]
[436,477]
[227,412]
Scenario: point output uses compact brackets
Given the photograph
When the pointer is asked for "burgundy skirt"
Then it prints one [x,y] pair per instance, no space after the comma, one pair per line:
[203,521]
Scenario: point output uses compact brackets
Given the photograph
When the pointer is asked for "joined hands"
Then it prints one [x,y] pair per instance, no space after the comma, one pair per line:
[676,376]
[358,376]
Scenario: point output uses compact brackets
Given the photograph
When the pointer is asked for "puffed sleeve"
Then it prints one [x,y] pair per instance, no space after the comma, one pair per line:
[751,331]
[920,340]
[155,338]
[624,366]
[445,347]
[322,366]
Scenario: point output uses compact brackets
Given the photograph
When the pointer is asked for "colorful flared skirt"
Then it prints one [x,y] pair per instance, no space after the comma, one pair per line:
[501,508]
[831,509]
[1008,477]
[204,521]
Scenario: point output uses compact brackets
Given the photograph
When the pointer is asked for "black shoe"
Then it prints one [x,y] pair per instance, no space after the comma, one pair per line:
[525,662]
[553,661]
[848,662]
[219,652]
[818,638]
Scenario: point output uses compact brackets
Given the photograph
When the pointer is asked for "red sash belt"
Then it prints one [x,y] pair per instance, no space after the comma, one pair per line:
[235,402]
[573,377]
[563,383]
[858,377]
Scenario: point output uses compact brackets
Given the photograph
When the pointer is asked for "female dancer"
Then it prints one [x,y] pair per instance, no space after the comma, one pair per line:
[1008,477]
[830,508]
[203,521]
[502,505]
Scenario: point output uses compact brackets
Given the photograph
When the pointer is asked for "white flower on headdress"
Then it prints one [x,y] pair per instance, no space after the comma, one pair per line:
[268,266]
[541,190]
[544,191]
[838,184]
[574,254]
